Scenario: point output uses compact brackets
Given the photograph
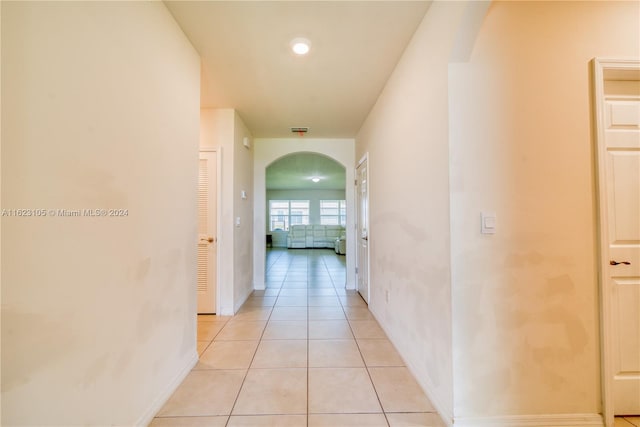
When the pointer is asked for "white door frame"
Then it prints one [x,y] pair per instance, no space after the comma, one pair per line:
[219,243]
[600,66]
[365,158]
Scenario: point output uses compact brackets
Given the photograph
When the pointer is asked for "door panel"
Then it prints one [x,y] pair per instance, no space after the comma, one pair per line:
[207,228]
[362,259]
[622,174]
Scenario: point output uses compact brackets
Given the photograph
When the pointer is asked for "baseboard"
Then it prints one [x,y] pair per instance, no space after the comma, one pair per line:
[560,420]
[146,418]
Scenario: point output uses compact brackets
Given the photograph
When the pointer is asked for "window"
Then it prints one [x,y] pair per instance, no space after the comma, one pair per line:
[333,212]
[284,213]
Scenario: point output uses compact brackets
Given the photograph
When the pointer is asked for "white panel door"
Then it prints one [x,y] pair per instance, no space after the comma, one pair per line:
[622,170]
[362,258]
[207,227]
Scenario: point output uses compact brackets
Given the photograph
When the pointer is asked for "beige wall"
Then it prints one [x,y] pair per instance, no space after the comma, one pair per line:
[224,129]
[98,321]
[526,299]
[406,136]
[243,209]
[508,131]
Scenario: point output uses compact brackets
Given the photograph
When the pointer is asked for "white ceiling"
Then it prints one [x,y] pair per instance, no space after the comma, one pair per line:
[247,63]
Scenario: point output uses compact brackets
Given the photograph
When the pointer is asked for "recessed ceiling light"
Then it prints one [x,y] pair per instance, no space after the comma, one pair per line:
[300,46]
[315,179]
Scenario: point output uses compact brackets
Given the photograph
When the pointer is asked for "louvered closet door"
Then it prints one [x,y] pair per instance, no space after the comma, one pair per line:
[207,226]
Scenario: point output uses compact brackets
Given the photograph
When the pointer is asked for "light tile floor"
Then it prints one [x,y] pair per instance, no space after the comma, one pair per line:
[627,422]
[302,353]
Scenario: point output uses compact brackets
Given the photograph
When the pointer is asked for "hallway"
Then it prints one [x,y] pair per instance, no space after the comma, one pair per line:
[303,352]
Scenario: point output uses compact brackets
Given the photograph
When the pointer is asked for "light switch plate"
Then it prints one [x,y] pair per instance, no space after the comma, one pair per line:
[488,222]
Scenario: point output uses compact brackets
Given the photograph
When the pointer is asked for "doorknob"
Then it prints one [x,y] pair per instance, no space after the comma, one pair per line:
[612,262]
[209,239]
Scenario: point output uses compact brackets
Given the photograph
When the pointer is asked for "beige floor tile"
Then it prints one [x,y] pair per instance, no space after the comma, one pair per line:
[379,353]
[626,422]
[633,420]
[256,301]
[289,313]
[202,346]
[334,354]
[324,301]
[415,420]
[399,391]
[212,318]
[288,284]
[205,393]
[208,330]
[321,284]
[281,354]
[329,329]
[347,420]
[268,421]
[340,391]
[293,293]
[358,313]
[228,355]
[190,422]
[242,330]
[300,301]
[266,293]
[286,330]
[326,313]
[352,301]
[252,314]
[273,391]
[322,292]
[367,329]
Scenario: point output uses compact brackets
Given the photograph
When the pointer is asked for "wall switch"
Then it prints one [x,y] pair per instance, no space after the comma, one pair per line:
[243,195]
[488,222]
[237,221]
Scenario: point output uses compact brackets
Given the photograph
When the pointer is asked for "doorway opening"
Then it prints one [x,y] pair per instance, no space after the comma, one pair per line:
[268,152]
[306,206]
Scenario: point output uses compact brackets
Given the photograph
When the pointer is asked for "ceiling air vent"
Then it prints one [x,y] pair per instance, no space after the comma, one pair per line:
[300,130]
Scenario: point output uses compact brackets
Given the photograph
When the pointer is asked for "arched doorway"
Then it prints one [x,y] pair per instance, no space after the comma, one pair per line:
[268,151]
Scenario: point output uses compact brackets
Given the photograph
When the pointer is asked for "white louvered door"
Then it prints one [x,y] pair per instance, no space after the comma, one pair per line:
[207,227]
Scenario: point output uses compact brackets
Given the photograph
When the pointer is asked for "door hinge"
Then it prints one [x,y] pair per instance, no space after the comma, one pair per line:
[355,182]
[356,270]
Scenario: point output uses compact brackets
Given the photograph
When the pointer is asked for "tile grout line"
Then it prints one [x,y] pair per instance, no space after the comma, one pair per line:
[375,390]
[244,379]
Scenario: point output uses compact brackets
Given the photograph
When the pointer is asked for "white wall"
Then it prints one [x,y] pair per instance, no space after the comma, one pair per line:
[269,150]
[100,110]
[526,329]
[224,129]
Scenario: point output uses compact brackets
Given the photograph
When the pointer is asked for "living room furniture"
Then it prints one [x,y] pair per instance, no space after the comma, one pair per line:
[340,245]
[314,236]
